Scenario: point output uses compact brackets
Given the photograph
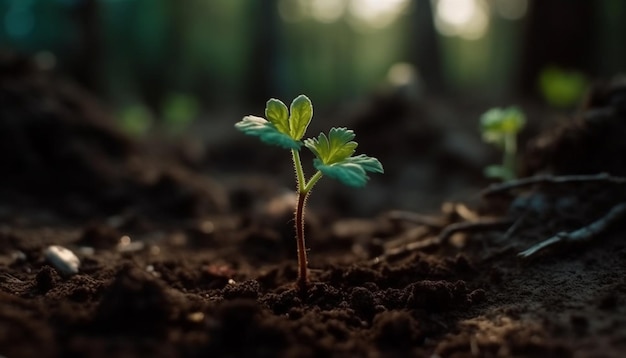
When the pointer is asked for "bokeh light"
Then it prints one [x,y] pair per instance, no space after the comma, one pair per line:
[401,74]
[376,13]
[327,11]
[364,14]
[19,21]
[468,19]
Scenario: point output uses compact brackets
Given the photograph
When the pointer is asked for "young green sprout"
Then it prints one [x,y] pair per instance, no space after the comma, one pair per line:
[333,156]
[500,127]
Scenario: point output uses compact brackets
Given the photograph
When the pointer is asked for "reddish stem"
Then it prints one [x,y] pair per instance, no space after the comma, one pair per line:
[303,270]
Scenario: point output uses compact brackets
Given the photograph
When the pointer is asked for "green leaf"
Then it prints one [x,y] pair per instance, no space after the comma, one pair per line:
[267,132]
[278,114]
[281,127]
[496,138]
[348,173]
[301,113]
[334,148]
[351,171]
[369,164]
[334,157]
[497,121]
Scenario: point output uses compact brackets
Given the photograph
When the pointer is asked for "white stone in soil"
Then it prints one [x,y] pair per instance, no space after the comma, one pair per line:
[64,260]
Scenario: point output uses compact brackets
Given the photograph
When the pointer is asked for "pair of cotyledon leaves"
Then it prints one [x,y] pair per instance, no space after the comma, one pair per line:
[497,123]
[286,127]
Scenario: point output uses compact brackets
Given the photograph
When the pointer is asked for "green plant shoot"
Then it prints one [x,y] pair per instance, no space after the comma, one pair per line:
[334,156]
[500,127]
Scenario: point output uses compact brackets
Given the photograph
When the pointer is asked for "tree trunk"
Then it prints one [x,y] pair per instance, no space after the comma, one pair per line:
[87,66]
[424,46]
[559,33]
[263,72]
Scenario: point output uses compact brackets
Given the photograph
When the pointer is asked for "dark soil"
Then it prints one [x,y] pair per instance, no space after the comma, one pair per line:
[176,263]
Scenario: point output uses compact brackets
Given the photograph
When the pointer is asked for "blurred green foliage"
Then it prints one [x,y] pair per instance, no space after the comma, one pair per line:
[179,110]
[561,88]
[498,123]
[135,119]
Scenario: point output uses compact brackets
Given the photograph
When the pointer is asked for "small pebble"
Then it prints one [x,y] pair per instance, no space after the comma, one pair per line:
[151,270]
[154,250]
[206,227]
[196,317]
[64,260]
[18,256]
[126,244]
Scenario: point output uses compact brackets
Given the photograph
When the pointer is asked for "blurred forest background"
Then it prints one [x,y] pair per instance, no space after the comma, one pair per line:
[233,53]
[177,63]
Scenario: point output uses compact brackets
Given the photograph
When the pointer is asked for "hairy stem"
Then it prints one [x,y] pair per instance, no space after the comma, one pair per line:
[302,255]
[302,195]
[304,189]
[299,172]
[303,270]
[312,182]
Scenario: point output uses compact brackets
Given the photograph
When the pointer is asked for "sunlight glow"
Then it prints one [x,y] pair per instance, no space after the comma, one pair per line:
[377,13]
[468,19]
[327,11]
[401,74]
[365,14]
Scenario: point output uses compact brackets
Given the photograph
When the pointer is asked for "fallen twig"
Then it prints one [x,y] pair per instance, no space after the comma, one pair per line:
[513,228]
[415,218]
[550,179]
[416,245]
[412,246]
[583,234]
[472,226]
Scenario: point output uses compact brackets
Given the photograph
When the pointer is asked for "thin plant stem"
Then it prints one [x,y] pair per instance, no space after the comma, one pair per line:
[303,270]
[510,148]
[314,179]
[304,188]
[299,172]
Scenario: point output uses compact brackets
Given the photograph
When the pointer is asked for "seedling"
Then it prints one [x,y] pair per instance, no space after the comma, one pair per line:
[333,156]
[500,127]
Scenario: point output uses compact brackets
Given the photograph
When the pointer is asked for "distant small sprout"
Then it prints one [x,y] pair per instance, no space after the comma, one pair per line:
[178,112]
[500,127]
[136,120]
[561,88]
[334,156]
